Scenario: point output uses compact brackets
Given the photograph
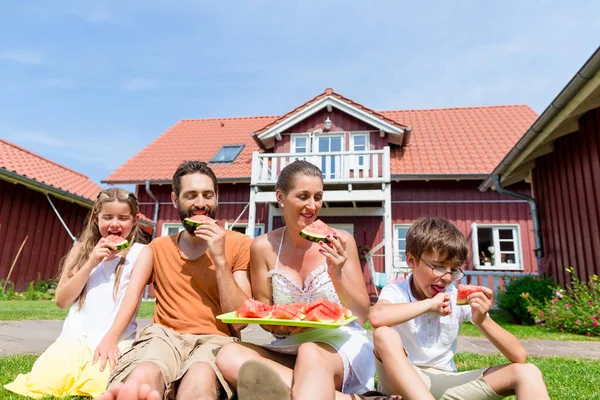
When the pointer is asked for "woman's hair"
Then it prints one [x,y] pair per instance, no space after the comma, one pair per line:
[81,250]
[285,182]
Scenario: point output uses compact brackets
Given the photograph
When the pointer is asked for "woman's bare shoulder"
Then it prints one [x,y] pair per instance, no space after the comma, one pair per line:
[267,240]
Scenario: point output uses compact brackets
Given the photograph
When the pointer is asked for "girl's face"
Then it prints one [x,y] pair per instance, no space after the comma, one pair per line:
[115,218]
[303,202]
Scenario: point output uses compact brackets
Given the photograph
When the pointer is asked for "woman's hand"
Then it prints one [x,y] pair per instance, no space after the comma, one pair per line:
[335,253]
[103,250]
[281,330]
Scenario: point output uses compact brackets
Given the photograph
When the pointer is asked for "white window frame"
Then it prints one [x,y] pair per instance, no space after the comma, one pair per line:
[516,266]
[165,227]
[261,227]
[295,136]
[400,264]
[366,158]
[346,227]
[338,160]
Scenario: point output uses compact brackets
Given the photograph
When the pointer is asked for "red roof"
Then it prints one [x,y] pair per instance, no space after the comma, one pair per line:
[469,140]
[30,165]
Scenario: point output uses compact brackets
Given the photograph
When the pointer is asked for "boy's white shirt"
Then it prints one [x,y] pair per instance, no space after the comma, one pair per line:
[99,310]
[430,339]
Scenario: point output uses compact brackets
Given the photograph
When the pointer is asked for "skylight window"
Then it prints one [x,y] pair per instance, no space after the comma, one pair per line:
[227,154]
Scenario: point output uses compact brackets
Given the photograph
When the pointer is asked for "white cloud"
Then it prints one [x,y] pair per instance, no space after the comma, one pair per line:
[22,56]
[58,83]
[140,84]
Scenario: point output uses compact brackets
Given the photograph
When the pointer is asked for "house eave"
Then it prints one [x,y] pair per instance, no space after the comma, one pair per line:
[437,177]
[327,101]
[44,188]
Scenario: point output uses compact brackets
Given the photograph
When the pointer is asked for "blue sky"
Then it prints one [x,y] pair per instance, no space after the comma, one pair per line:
[90,83]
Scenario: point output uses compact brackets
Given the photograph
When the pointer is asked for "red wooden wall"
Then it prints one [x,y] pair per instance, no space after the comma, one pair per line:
[27,213]
[567,187]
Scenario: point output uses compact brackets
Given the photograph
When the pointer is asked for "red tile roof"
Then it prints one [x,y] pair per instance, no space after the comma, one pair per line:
[30,165]
[469,140]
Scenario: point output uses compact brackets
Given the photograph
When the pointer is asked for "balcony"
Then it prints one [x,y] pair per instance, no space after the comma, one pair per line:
[345,167]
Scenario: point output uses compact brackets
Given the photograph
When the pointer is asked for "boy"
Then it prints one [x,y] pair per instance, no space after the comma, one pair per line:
[421,315]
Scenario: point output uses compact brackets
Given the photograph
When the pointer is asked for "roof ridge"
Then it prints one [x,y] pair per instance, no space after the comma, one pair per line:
[230,118]
[44,158]
[459,108]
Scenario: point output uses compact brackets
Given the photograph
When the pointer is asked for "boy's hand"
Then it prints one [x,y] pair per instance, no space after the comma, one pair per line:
[480,303]
[440,304]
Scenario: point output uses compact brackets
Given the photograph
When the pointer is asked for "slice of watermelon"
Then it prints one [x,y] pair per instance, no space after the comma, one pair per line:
[324,314]
[288,312]
[463,292]
[254,309]
[317,232]
[197,220]
[118,242]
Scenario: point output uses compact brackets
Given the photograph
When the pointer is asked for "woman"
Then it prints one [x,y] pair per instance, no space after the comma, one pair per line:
[285,268]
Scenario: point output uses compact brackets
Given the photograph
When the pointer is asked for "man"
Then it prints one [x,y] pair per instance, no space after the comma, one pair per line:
[191,273]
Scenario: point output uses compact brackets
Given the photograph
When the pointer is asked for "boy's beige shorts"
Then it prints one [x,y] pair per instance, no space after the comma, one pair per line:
[173,353]
[445,385]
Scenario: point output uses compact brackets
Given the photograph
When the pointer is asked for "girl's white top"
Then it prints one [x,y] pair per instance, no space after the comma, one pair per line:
[100,308]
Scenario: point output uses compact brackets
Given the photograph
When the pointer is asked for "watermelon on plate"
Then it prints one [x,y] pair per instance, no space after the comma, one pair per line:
[197,220]
[118,242]
[254,309]
[292,311]
[317,232]
[323,310]
[463,292]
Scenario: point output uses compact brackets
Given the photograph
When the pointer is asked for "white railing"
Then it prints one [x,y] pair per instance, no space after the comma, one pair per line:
[371,166]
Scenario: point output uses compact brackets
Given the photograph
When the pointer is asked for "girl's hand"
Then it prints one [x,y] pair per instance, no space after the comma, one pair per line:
[103,250]
[107,351]
[335,253]
[480,303]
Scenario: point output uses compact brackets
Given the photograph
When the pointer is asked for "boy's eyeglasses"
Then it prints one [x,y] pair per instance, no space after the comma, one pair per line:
[440,272]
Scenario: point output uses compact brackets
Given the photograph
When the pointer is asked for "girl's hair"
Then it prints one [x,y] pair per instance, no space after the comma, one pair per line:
[285,182]
[90,236]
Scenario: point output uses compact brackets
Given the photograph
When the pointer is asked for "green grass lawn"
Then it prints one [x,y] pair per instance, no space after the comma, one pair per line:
[566,378]
[16,310]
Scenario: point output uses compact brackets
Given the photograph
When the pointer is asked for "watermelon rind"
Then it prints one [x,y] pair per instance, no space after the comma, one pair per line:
[314,237]
[123,245]
[193,223]
[309,233]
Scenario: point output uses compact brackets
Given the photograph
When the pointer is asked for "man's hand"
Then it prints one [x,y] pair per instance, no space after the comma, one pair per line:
[440,304]
[480,303]
[215,239]
[107,351]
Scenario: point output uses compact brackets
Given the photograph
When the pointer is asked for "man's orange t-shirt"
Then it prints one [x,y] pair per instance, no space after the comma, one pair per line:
[187,295]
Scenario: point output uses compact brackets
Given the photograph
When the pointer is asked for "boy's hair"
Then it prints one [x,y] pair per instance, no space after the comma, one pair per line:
[90,236]
[192,167]
[285,182]
[437,234]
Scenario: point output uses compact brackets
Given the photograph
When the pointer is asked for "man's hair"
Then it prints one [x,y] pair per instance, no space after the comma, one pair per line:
[428,234]
[192,167]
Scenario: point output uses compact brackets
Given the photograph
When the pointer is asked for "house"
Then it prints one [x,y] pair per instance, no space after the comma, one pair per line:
[560,154]
[43,206]
[381,170]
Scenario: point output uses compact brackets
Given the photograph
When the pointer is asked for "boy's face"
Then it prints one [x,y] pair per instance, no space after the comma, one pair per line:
[425,283]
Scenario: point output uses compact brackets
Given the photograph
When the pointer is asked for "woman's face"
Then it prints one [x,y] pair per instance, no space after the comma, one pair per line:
[303,202]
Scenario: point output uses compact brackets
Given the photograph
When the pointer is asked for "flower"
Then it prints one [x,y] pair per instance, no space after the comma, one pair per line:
[542,314]
[591,303]
[567,305]
[595,323]
[577,322]
[524,295]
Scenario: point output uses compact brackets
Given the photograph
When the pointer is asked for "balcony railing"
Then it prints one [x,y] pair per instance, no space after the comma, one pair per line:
[346,167]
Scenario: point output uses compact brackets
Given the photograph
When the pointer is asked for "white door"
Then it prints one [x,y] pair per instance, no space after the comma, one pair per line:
[331,165]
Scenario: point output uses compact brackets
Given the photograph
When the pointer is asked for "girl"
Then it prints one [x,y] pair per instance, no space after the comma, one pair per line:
[285,268]
[93,279]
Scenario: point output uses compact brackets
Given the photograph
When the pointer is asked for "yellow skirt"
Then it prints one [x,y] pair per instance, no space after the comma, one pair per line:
[65,369]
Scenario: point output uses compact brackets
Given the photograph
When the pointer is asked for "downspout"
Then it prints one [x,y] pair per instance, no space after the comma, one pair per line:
[73,238]
[535,217]
[156,205]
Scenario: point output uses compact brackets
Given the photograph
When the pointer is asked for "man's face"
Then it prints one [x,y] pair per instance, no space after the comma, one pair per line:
[197,197]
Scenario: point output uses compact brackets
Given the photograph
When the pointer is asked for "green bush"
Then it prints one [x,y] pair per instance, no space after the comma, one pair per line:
[511,301]
[574,309]
[37,290]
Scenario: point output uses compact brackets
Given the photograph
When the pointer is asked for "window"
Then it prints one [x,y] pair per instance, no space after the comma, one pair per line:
[330,165]
[496,247]
[169,229]
[360,142]
[259,229]
[300,143]
[400,245]
[227,154]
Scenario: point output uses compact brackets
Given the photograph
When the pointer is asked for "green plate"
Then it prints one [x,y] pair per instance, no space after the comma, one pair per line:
[230,318]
